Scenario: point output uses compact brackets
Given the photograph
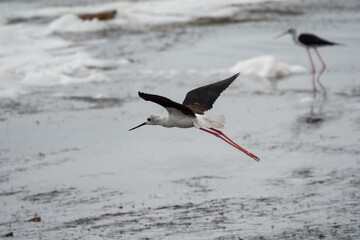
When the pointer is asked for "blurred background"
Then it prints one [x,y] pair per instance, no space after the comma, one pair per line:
[69,76]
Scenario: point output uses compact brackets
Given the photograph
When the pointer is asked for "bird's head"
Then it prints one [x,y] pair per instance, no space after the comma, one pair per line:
[291,31]
[154,120]
[151,120]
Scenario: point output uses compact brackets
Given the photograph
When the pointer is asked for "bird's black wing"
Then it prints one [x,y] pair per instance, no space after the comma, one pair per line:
[167,103]
[309,39]
[202,99]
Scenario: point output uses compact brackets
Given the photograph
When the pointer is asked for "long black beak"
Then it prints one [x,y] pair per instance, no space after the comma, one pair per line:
[281,35]
[138,126]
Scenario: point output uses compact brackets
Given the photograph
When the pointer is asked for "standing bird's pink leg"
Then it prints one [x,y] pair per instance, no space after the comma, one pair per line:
[313,70]
[321,72]
[321,60]
[314,85]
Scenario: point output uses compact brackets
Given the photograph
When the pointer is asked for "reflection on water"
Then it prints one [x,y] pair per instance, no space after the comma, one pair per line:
[316,114]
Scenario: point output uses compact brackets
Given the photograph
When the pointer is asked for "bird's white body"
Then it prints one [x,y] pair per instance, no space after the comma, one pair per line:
[180,120]
[177,119]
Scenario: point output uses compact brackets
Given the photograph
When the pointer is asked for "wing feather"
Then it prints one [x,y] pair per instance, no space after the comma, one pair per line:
[202,99]
[167,103]
[313,40]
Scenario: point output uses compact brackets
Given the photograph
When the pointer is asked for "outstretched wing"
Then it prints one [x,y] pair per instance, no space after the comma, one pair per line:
[167,103]
[309,39]
[202,99]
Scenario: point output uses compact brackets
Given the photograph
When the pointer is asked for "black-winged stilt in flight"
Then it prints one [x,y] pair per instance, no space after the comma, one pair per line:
[308,41]
[191,112]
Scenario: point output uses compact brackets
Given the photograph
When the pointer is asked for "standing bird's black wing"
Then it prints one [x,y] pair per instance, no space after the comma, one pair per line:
[167,103]
[202,99]
[312,40]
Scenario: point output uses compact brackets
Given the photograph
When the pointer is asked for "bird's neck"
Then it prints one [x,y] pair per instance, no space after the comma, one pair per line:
[295,38]
[162,121]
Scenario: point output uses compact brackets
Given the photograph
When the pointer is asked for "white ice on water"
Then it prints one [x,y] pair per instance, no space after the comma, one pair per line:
[134,13]
[72,23]
[267,67]
[50,77]
[31,54]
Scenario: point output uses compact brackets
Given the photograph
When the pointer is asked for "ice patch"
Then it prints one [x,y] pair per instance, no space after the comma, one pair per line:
[267,67]
[51,77]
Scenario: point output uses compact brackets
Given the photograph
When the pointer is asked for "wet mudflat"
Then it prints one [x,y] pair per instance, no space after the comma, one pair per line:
[69,169]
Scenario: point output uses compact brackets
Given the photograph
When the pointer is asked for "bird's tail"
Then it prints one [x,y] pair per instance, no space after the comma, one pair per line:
[210,121]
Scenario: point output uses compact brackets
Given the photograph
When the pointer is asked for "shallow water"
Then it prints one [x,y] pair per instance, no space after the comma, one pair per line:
[67,99]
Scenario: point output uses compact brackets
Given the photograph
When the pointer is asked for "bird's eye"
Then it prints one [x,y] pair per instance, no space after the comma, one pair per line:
[149,119]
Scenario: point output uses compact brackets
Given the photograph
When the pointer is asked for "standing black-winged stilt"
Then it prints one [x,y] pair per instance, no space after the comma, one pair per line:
[191,112]
[308,41]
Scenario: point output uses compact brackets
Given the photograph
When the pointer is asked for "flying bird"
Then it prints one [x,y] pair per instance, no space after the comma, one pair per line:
[191,112]
[308,41]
